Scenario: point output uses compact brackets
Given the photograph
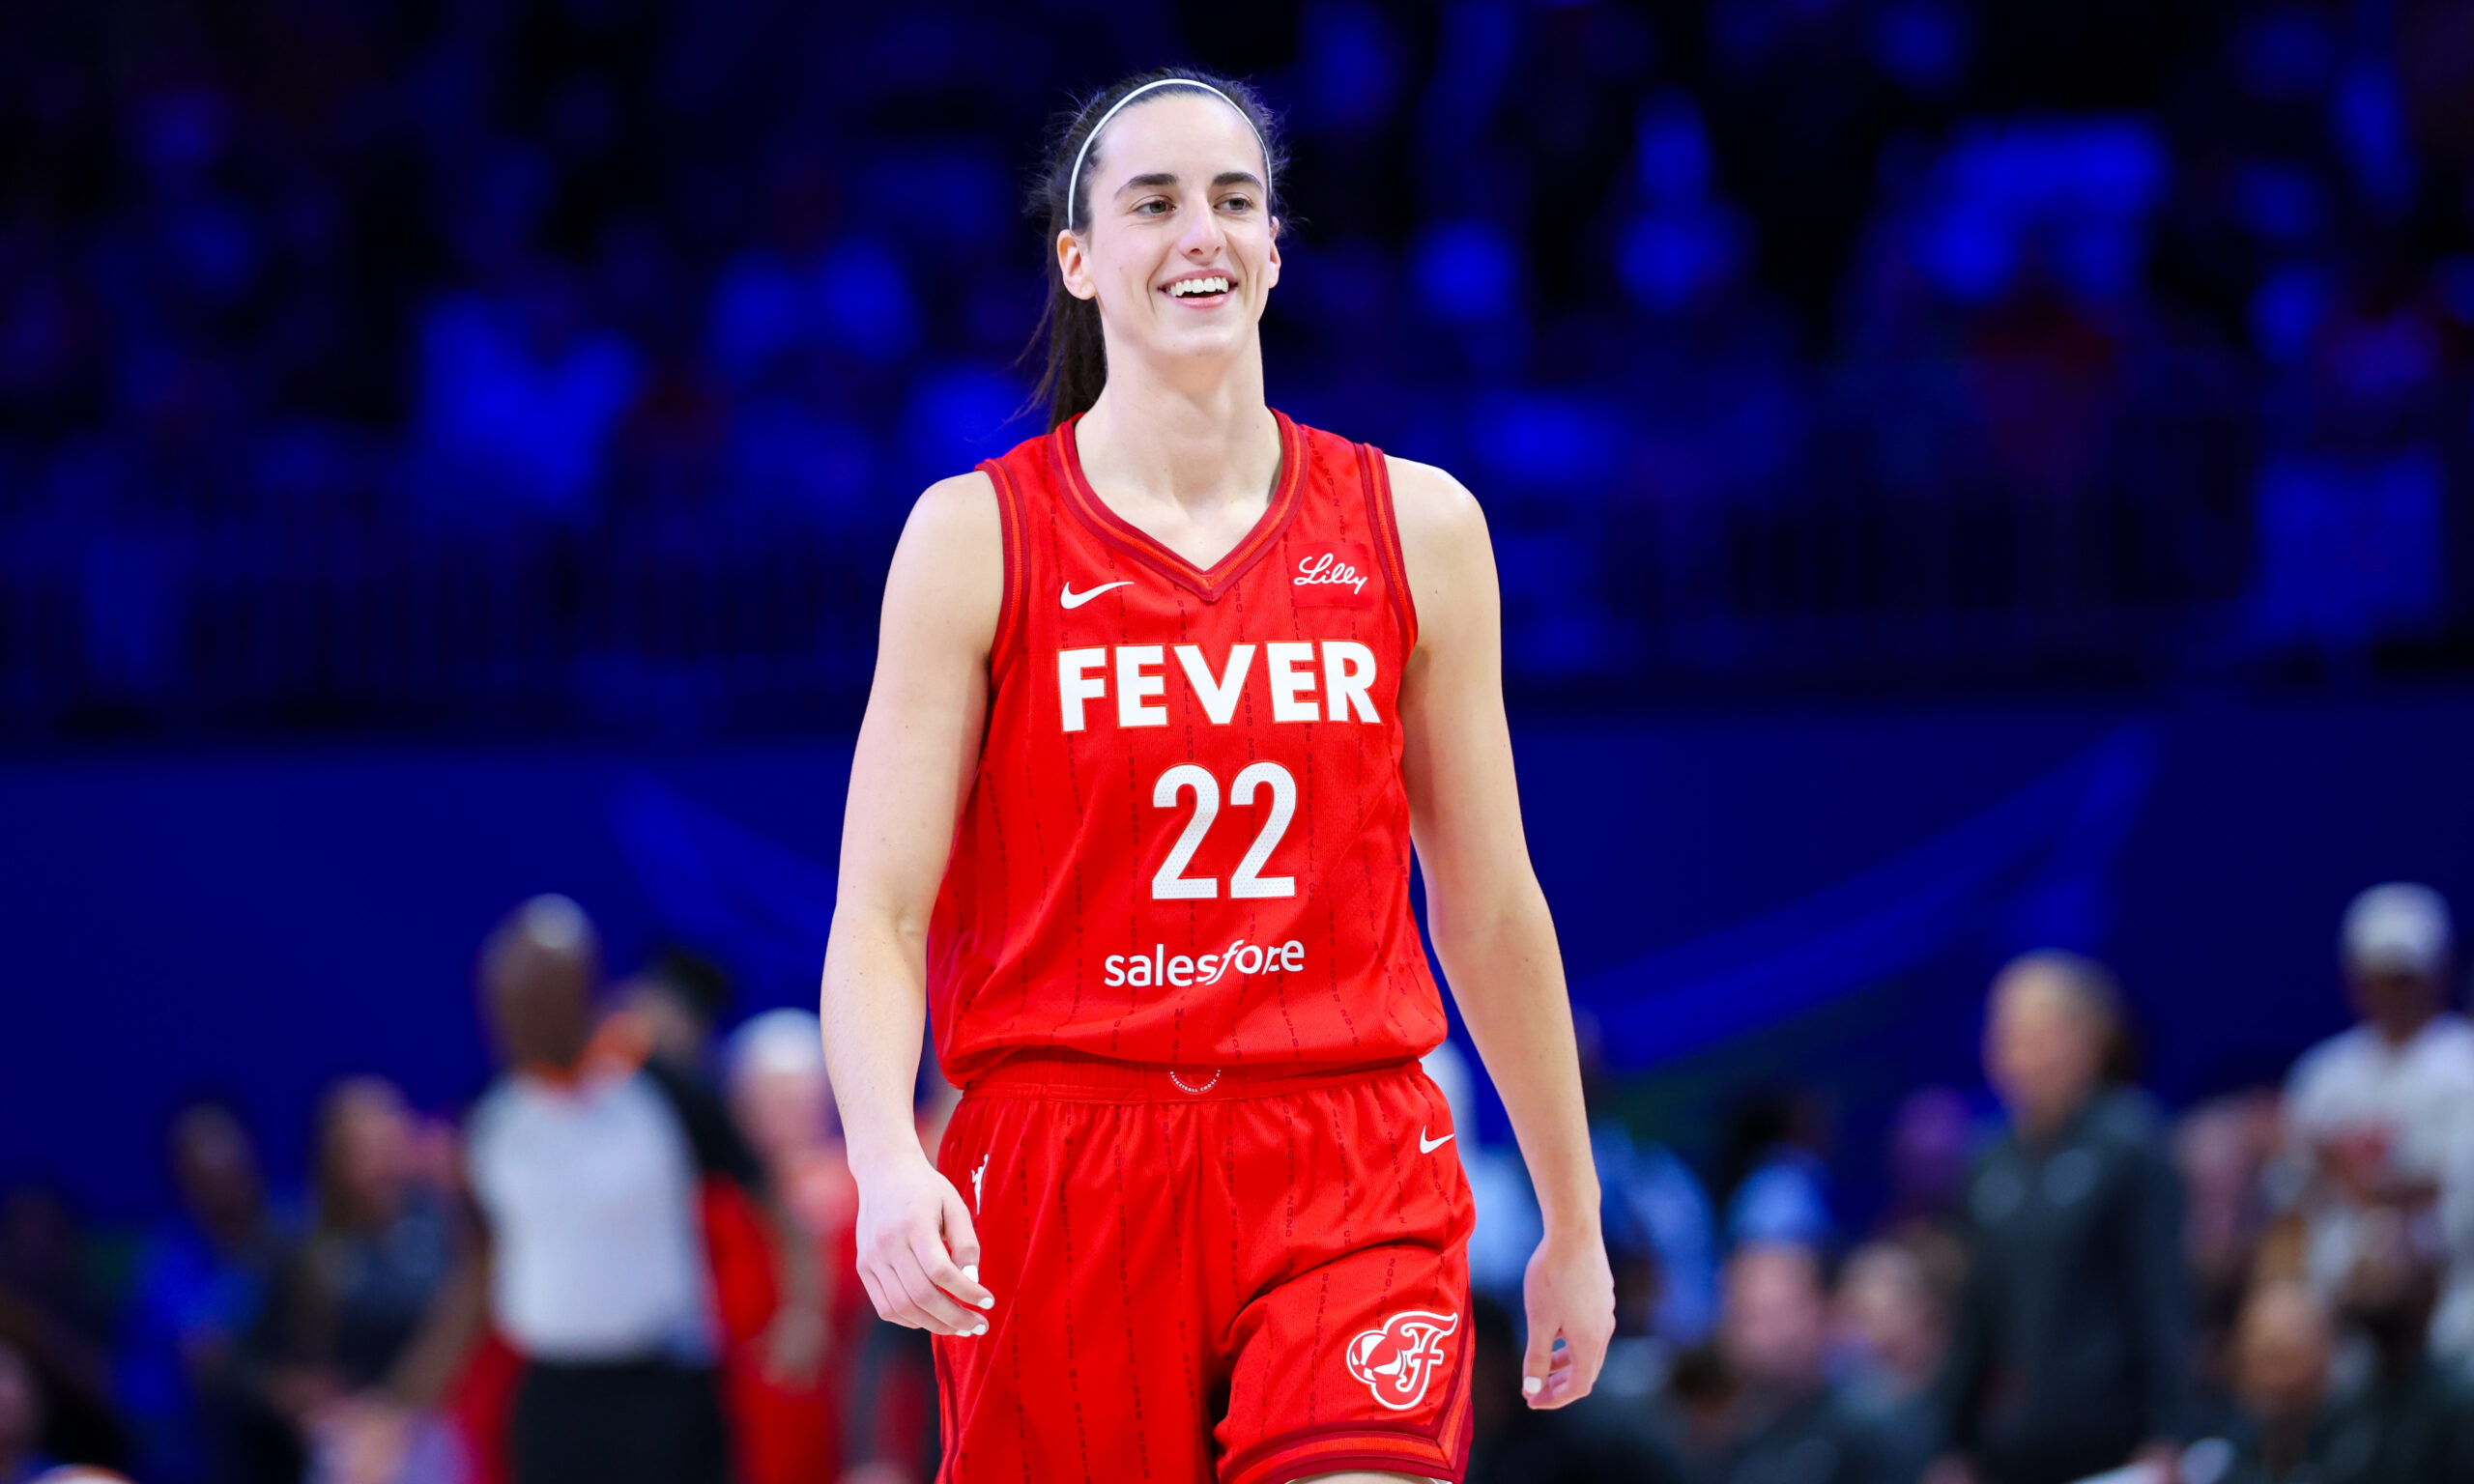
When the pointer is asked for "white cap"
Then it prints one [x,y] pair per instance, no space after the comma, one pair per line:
[2400,927]
[778,1040]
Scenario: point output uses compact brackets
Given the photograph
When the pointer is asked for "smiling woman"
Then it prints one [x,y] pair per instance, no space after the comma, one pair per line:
[1077,360]
[1163,699]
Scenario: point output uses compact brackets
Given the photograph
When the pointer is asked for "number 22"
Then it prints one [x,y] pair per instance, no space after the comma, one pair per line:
[1171,884]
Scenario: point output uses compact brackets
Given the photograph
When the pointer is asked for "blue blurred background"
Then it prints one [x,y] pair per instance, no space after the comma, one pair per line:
[1967,474]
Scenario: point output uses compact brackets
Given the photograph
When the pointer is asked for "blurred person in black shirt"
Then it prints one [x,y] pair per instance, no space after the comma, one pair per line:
[2069,1355]
[2293,1422]
[1786,1423]
[2282,1343]
[351,1295]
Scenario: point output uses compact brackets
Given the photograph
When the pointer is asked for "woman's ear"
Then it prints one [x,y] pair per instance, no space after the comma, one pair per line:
[1074,266]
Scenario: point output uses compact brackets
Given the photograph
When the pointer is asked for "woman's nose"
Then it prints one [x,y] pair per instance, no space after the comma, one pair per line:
[1203,233]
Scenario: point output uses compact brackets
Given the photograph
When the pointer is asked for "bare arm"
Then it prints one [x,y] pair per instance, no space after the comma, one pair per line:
[918,749]
[1489,916]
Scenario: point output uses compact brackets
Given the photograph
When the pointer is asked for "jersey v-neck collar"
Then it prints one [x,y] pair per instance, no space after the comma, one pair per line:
[1130,539]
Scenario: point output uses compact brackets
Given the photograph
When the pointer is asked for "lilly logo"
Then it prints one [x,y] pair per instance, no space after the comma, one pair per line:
[1325,569]
[1398,1361]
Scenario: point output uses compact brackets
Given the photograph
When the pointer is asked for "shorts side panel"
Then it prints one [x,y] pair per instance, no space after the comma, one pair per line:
[1096,1364]
[1351,1352]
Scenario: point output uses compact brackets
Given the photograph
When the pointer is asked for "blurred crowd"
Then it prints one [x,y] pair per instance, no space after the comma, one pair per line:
[631,1259]
[2274,1285]
[571,362]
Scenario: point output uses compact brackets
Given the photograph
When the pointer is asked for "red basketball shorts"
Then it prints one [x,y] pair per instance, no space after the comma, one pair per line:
[1204,1276]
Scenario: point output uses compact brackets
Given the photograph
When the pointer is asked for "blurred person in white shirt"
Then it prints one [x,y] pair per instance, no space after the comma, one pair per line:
[2380,1117]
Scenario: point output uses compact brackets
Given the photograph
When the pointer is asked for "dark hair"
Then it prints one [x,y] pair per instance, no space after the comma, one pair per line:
[703,986]
[1074,359]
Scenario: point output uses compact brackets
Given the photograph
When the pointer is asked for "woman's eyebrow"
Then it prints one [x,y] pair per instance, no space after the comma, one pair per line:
[1158,178]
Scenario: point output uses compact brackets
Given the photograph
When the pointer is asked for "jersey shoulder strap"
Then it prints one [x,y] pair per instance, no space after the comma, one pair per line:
[1375,473]
[1020,476]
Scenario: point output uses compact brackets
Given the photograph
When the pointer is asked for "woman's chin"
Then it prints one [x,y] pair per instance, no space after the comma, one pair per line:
[1218,339]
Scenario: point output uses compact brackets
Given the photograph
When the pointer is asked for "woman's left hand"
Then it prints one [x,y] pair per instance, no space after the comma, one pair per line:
[1571,1293]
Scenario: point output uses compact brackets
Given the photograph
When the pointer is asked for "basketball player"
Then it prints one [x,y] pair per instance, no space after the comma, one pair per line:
[1162,700]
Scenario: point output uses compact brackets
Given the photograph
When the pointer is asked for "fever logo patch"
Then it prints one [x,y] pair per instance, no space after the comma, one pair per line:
[1398,1361]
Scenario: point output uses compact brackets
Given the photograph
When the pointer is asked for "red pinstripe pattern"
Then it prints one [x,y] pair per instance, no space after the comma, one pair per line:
[1178,1282]
[1061,838]
[1386,530]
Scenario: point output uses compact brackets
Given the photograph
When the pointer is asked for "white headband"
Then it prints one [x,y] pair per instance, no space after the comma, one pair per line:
[1074,180]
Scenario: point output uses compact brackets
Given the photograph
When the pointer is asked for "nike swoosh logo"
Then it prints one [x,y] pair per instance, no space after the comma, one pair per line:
[1072,599]
[1426,1146]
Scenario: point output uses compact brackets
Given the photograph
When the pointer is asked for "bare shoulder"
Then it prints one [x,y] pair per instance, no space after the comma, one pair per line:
[1433,508]
[948,574]
[1444,543]
[961,509]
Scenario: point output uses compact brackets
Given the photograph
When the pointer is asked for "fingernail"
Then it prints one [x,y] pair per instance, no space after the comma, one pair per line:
[982,1330]
[987,1303]
[970,1270]
[1531,1386]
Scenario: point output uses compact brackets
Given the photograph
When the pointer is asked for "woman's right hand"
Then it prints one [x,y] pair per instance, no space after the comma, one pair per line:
[918,1255]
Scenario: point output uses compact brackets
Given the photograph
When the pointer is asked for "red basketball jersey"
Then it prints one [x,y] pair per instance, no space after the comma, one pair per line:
[1188,841]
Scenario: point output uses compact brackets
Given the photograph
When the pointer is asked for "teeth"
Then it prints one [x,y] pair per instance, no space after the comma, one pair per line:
[1194,286]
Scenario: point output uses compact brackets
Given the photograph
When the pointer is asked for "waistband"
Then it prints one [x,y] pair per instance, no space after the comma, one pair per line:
[1078,1076]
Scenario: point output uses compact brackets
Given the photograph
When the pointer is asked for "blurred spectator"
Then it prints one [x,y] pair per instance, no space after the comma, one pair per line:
[2068,1354]
[1787,1420]
[1795,312]
[1658,1197]
[197,1296]
[1778,1166]
[791,1433]
[1891,1323]
[2224,1152]
[520,395]
[2376,1114]
[1655,1204]
[2413,1418]
[2284,1344]
[54,1314]
[678,997]
[20,1419]
[350,1297]
[2296,1421]
[585,1157]
[1930,1141]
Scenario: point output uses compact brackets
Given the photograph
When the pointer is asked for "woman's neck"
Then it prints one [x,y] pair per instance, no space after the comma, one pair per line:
[1153,439]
